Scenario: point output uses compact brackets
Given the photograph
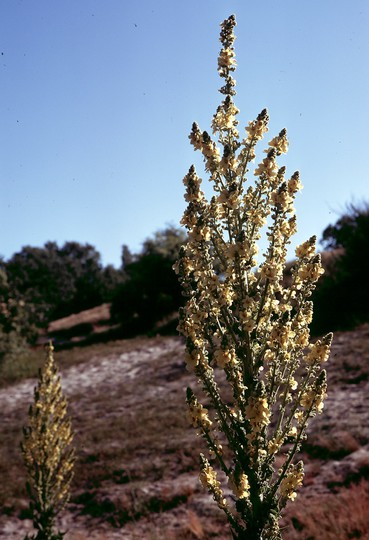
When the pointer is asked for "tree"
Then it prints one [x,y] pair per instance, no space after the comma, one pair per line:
[55,281]
[38,277]
[151,290]
[85,270]
[112,278]
[15,329]
[165,242]
[342,296]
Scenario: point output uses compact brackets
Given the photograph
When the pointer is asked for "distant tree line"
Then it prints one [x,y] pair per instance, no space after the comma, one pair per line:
[150,290]
[341,300]
[41,284]
[54,281]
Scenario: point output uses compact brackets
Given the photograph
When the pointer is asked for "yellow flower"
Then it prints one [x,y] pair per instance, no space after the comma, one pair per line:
[320,350]
[196,137]
[226,58]
[282,335]
[198,416]
[302,338]
[268,167]
[292,480]
[300,417]
[282,199]
[306,249]
[280,143]
[294,185]
[240,486]
[292,383]
[200,234]
[313,399]
[258,413]
[208,478]
[224,357]
[258,127]
[271,271]
[274,445]
[311,271]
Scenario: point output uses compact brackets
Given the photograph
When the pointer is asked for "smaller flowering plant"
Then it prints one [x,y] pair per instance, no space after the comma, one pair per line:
[243,323]
[47,452]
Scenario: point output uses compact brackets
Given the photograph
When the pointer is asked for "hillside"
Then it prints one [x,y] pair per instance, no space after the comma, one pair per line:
[136,475]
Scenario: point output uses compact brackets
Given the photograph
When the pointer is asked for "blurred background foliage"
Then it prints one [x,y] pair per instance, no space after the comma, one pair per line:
[341,299]
[41,284]
[150,291]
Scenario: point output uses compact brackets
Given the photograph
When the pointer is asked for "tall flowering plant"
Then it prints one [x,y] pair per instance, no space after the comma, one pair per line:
[48,452]
[243,324]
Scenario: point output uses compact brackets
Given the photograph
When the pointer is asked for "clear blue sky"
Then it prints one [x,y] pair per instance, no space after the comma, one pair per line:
[97,98]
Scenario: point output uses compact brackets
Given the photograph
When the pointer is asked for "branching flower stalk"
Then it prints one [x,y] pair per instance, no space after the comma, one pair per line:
[243,325]
[47,452]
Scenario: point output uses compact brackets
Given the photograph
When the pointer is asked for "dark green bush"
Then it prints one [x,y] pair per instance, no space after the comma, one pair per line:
[341,299]
[151,290]
[14,327]
[53,282]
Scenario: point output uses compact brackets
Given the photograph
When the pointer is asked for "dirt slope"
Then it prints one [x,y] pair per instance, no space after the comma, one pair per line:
[136,476]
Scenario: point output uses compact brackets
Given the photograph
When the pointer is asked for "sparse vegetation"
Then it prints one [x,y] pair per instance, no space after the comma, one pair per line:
[332,517]
[247,333]
[121,394]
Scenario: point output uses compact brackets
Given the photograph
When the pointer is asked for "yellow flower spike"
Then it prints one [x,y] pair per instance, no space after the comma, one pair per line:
[280,143]
[306,250]
[47,449]
[320,350]
[292,481]
[294,185]
[247,327]
[240,486]
[208,478]
[257,128]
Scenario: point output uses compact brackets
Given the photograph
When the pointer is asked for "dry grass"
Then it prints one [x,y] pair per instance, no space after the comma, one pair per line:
[331,517]
[137,457]
[20,367]
[27,366]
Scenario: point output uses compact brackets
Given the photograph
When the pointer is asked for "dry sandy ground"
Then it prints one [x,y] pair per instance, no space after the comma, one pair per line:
[92,316]
[100,392]
[136,476]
